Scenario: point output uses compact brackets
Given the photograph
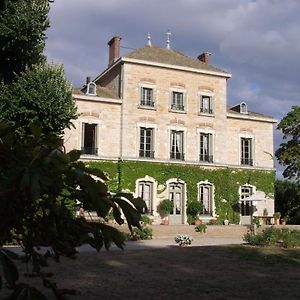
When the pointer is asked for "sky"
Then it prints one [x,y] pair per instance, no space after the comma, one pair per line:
[256,41]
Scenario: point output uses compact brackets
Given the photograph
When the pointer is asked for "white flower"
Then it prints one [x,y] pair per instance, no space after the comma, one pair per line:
[224,200]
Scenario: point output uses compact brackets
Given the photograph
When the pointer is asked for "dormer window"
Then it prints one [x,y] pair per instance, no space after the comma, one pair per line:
[91,89]
[243,108]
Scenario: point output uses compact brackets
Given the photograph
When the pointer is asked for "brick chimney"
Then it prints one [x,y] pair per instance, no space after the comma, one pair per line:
[204,57]
[114,49]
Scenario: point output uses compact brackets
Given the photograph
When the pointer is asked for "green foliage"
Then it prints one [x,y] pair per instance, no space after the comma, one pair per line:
[183,239]
[41,95]
[191,219]
[143,233]
[22,36]
[277,215]
[288,153]
[275,237]
[255,221]
[194,208]
[287,200]
[38,181]
[145,220]
[226,181]
[201,228]
[165,207]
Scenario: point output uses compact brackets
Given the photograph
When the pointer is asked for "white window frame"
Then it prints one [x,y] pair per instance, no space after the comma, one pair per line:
[184,100]
[246,136]
[89,120]
[253,189]
[89,87]
[212,151]
[154,95]
[243,108]
[212,197]
[152,153]
[211,110]
[140,125]
[147,178]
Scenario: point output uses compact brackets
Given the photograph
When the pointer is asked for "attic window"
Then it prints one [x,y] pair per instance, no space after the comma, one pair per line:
[243,108]
[91,89]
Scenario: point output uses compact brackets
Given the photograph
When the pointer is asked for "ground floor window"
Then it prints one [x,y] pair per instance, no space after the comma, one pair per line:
[145,191]
[205,194]
[176,196]
[89,139]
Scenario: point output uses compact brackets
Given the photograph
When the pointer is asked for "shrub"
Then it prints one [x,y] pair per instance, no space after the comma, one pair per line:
[183,239]
[194,208]
[165,207]
[200,228]
[275,237]
[191,219]
[145,233]
[145,220]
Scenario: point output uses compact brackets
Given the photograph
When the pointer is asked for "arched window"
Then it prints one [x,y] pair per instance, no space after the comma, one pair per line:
[206,197]
[243,108]
[245,192]
[91,89]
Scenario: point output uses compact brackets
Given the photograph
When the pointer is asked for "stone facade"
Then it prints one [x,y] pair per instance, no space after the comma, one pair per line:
[172,111]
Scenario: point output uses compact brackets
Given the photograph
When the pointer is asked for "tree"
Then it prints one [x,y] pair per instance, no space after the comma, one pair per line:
[287,200]
[288,153]
[42,95]
[22,36]
[38,185]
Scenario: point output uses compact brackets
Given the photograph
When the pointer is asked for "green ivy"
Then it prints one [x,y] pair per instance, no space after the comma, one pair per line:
[123,175]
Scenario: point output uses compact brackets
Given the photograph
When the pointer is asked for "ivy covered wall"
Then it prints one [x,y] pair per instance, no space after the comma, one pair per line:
[123,175]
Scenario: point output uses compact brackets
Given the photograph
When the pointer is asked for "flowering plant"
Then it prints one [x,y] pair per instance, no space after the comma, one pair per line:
[183,239]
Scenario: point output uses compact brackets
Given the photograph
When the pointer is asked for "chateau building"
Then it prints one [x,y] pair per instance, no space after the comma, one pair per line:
[158,122]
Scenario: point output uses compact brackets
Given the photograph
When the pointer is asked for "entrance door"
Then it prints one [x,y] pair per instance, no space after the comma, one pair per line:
[246,205]
[146,193]
[176,195]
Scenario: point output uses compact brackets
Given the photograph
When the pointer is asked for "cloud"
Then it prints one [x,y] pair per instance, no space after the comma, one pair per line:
[257,41]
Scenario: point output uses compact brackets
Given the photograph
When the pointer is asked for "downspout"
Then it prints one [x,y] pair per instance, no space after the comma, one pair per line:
[121,94]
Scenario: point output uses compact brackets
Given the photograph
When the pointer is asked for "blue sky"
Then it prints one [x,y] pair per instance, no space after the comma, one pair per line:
[256,41]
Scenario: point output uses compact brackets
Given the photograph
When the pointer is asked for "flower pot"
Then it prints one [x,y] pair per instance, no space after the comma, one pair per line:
[226,222]
[183,245]
[198,222]
[165,222]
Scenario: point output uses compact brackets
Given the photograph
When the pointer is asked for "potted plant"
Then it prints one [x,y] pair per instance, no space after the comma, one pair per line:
[276,217]
[194,208]
[183,240]
[165,207]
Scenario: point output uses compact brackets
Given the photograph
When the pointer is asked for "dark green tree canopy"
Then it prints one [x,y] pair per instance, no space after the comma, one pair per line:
[40,95]
[22,35]
[288,153]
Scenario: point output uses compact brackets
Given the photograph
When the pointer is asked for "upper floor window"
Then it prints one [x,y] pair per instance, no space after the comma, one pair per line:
[206,147]
[177,151]
[246,151]
[177,101]
[91,89]
[206,104]
[147,97]
[243,108]
[146,142]
[89,139]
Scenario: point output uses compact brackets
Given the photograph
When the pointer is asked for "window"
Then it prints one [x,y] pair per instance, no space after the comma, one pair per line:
[145,191]
[246,205]
[206,148]
[246,151]
[146,142]
[177,101]
[176,196]
[147,97]
[89,139]
[177,145]
[206,104]
[205,194]
[243,108]
[91,89]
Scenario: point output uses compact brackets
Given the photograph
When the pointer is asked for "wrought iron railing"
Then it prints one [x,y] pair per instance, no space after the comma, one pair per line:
[148,103]
[177,107]
[206,158]
[247,161]
[147,153]
[177,155]
[89,150]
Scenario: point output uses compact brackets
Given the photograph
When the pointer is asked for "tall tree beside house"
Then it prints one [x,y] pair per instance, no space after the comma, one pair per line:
[40,95]
[22,36]
[288,153]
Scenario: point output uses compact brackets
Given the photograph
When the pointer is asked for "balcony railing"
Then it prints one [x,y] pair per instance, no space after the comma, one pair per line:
[247,161]
[177,107]
[147,153]
[148,103]
[177,155]
[89,150]
[206,110]
[206,158]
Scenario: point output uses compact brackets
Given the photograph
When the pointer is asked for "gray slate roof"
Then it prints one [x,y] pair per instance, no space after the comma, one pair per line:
[171,57]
